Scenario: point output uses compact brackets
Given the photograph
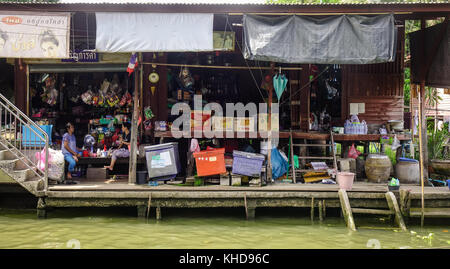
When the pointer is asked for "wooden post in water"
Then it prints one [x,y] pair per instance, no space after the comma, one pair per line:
[312,209]
[158,213]
[346,209]
[134,128]
[321,211]
[393,206]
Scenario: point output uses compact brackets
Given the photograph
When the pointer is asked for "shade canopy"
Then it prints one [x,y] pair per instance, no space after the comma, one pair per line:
[345,39]
[153,32]
[437,43]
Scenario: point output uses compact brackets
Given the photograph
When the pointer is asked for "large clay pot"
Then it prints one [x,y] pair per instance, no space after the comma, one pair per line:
[378,168]
[441,167]
[408,171]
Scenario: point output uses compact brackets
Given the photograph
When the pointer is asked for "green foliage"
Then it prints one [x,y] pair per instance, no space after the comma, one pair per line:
[436,142]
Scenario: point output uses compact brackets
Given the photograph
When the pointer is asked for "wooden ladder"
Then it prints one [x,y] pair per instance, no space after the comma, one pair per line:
[305,145]
[348,211]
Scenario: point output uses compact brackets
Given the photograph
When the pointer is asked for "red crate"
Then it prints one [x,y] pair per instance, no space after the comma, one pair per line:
[210,162]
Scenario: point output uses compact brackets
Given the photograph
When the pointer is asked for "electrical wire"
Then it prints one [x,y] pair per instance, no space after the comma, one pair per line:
[254,79]
[307,84]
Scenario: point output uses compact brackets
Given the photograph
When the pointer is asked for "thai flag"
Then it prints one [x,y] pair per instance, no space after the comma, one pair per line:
[132,64]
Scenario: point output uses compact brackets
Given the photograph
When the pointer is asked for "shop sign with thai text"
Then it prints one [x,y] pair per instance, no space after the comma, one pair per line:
[34,35]
[81,56]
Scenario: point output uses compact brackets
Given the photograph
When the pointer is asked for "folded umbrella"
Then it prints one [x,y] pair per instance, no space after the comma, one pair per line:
[279,84]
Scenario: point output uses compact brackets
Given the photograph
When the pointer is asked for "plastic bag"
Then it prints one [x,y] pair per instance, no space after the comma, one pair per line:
[279,165]
[55,163]
[353,152]
[395,143]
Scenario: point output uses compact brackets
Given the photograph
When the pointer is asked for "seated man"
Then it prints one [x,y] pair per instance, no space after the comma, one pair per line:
[124,142]
[69,149]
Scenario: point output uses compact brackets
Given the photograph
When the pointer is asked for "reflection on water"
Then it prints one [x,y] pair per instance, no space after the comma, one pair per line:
[119,228]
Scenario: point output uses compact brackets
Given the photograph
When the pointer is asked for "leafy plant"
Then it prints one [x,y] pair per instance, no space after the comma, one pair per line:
[436,142]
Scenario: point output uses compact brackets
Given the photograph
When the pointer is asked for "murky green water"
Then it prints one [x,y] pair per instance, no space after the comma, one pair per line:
[114,228]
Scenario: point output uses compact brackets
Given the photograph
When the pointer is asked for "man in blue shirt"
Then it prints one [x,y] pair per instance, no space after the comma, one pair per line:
[69,149]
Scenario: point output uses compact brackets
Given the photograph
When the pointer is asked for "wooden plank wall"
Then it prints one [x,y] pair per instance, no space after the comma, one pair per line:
[379,86]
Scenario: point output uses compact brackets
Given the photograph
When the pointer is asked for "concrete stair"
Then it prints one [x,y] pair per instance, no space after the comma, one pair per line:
[19,172]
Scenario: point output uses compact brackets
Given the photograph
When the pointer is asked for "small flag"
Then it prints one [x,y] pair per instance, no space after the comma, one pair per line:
[132,64]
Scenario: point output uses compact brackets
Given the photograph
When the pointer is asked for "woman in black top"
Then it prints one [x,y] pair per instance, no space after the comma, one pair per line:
[124,142]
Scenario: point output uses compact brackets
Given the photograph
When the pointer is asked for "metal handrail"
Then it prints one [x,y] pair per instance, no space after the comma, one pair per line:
[19,117]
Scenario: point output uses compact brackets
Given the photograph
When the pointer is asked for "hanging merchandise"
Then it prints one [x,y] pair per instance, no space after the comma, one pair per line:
[331,90]
[87,97]
[148,113]
[353,152]
[50,94]
[279,84]
[113,100]
[416,123]
[395,143]
[153,77]
[265,84]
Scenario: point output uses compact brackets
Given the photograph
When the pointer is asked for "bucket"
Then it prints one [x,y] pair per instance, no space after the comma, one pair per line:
[345,180]
[141,177]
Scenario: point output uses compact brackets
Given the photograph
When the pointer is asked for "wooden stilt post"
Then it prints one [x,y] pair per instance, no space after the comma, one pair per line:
[158,213]
[312,209]
[134,127]
[149,204]
[405,203]
[321,211]
[324,209]
[346,210]
[393,206]
[141,211]
[41,209]
[245,205]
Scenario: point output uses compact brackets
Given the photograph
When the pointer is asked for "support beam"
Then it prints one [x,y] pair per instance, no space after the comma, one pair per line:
[346,210]
[312,209]
[321,211]
[134,127]
[393,206]
[405,202]
[141,211]
[158,213]
[41,209]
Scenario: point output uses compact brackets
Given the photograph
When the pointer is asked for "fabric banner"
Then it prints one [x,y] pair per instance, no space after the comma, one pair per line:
[439,73]
[345,39]
[153,32]
[34,35]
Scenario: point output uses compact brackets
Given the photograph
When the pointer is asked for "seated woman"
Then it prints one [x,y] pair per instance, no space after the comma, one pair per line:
[69,149]
[124,142]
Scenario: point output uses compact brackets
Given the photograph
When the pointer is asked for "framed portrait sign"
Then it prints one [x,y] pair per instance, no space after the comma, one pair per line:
[224,41]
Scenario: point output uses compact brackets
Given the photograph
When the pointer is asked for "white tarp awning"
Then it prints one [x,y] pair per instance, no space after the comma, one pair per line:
[34,35]
[153,32]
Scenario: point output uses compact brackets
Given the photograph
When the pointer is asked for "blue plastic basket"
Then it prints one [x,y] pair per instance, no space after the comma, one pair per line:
[448,184]
[247,164]
[29,138]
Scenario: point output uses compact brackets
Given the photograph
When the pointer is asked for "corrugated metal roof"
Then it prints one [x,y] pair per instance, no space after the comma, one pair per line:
[217,2]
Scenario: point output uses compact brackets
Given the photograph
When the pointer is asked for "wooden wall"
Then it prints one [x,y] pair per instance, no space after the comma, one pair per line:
[379,86]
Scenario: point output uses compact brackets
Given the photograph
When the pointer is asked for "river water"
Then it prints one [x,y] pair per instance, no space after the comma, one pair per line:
[119,228]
